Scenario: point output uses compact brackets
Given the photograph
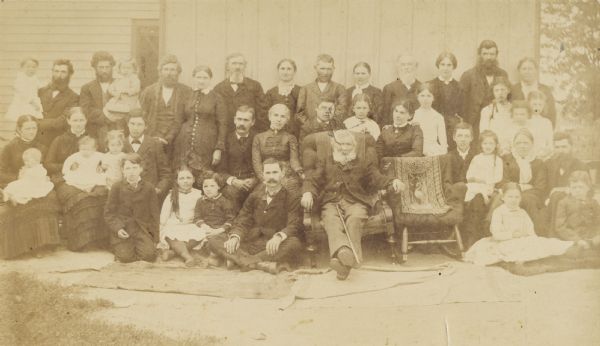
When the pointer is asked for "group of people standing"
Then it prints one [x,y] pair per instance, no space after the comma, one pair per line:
[173,170]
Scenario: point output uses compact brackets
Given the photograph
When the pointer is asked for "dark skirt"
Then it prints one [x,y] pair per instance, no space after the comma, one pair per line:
[83,215]
[195,143]
[28,227]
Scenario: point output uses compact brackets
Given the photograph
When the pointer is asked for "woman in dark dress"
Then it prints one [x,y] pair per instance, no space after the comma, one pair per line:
[286,92]
[522,167]
[447,94]
[201,140]
[362,85]
[279,144]
[32,225]
[84,225]
[400,139]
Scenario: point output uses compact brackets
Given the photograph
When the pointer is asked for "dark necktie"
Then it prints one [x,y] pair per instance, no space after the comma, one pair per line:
[136,141]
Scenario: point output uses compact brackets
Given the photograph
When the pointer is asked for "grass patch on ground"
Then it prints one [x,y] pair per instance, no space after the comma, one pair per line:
[33,312]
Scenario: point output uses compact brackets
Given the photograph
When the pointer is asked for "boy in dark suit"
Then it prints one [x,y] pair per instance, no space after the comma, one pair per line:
[132,214]
[156,169]
[461,156]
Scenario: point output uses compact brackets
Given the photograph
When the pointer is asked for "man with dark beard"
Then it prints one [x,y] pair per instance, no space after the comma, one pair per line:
[94,96]
[164,102]
[476,83]
[238,90]
[57,98]
[343,182]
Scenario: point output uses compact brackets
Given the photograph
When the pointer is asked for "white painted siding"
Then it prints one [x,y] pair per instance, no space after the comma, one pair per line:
[376,31]
[50,29]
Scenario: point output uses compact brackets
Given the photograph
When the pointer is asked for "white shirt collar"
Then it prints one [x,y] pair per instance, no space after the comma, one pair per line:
[463,154]
[238,135]
[445,81]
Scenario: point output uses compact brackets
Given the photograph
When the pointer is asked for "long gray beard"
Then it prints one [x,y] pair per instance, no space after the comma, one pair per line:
[343,158]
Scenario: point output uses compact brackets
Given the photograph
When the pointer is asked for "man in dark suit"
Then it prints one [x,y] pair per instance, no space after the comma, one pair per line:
[323,87]
[156,168]
[323,121]
[461,156]
[57,98]
[342,182]
[476,83]
[264,234]
[238,90]
[404,88]
[236,174]
[94,96]
[164,102]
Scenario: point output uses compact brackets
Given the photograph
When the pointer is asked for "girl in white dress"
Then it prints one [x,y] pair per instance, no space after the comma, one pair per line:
[540,126]
[25,100]
[513,239]
[431,122]
[33,179]
[360,121]
[485,170]
[83,169]
[178,232]
[496,115]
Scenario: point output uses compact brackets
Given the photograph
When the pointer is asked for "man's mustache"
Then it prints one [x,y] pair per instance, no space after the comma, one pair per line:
[241,127]
[272,181]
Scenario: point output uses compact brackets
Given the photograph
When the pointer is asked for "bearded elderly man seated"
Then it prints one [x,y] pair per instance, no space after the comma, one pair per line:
[343,184]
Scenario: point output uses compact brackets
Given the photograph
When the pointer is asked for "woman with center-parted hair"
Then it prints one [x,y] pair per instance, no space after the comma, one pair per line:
[447,93]
[361,73]
[285,92]
[28,224]
[401,139]
[82,209]
[279,144]
[201,140]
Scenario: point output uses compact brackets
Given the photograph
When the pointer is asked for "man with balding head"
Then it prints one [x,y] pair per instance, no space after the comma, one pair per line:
[344,183]
[404,87]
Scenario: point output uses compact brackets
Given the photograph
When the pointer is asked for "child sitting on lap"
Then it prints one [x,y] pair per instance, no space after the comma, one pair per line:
[33,180]
[83,169]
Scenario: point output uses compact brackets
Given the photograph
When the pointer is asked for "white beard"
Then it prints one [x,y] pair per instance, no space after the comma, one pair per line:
[343,158]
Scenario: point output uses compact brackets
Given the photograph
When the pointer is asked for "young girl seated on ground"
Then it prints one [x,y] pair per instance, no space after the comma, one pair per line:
[111,162]
[360,122]
[578,214]
[431,122]
[485,170]
[513,239]
[124,91]
[33,180]
[83,169]
[25,100]
[540,126]
[213,213]
[178,232]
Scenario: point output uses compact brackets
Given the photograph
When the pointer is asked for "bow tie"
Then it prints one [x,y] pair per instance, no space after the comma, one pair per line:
[136,141]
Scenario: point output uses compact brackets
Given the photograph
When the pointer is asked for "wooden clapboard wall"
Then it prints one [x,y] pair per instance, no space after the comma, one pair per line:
[376,31]
[52,29]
